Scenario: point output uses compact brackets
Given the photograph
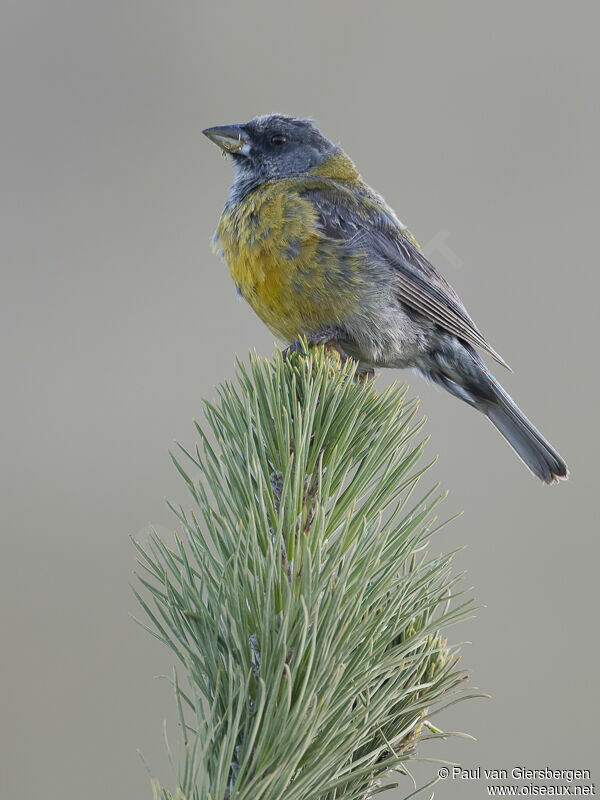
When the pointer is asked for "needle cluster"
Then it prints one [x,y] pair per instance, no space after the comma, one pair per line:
[299,597]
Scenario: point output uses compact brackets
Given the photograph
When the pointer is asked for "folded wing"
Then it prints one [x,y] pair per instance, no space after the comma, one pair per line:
[368,225]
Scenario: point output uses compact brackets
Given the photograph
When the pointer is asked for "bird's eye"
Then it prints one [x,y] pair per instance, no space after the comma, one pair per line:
[278,139]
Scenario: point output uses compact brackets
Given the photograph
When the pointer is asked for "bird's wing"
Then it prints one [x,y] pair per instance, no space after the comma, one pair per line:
[367,225]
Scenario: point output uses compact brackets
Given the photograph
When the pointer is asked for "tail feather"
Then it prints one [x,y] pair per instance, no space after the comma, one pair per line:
[529,444]
[459,369]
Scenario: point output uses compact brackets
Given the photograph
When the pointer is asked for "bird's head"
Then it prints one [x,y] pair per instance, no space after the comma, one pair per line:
[273,146]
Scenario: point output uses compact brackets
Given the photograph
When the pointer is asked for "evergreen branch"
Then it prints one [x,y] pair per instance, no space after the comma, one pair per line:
[301,601]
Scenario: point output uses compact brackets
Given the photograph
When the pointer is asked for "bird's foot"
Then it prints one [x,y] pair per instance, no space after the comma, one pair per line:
[329,338]
[365,375]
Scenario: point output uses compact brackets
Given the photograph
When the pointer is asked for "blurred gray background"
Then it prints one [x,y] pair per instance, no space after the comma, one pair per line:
[480,123]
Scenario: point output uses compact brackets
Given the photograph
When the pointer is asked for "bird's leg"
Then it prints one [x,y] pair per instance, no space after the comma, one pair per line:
[329,337]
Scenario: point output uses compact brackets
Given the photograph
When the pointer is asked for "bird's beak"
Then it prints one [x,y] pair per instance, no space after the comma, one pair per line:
[230,138]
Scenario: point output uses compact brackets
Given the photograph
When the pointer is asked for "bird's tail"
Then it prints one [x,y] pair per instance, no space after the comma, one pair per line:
[525,439]
[473,383]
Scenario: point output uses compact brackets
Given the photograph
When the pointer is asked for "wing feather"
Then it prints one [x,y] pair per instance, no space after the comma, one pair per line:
[367,224]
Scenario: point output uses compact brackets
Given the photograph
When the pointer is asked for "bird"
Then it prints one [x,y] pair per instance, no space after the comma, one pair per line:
[319,254]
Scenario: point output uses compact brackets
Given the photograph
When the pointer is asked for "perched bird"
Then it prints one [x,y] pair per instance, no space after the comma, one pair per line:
[318,253]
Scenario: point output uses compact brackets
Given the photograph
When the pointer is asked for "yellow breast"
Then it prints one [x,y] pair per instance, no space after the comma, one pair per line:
[295,279]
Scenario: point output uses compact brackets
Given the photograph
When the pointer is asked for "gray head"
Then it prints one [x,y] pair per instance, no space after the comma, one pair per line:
[272,146]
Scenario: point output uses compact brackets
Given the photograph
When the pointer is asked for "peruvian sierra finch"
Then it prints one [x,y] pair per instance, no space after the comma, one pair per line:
[318,253]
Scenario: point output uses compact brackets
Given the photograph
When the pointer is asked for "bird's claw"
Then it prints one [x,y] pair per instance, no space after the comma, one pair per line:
[329,338]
